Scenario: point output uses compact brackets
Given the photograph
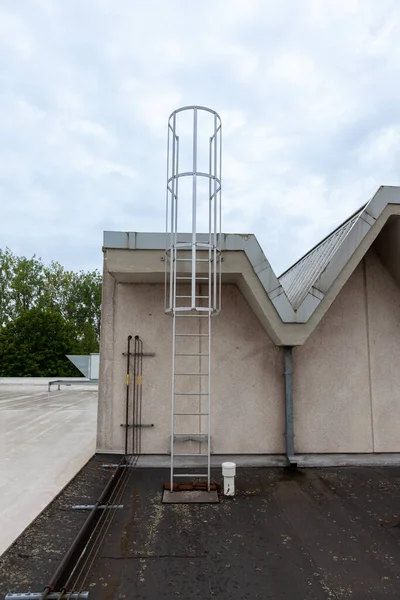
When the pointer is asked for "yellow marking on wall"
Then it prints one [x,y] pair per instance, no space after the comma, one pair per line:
[139,379]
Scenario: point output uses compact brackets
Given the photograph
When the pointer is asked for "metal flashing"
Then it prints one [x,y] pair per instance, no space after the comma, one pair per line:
[299,292]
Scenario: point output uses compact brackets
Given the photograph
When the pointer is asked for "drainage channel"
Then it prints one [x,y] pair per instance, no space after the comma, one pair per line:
[70,577]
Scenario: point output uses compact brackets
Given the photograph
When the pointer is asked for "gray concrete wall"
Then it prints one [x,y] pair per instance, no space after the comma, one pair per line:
[331,378]
[383,295]
[247,382]
[346,378]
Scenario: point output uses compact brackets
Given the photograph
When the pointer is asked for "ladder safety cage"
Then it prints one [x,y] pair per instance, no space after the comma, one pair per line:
[192,275]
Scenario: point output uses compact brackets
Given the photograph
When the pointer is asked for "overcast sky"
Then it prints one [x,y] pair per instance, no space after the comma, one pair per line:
[308,92]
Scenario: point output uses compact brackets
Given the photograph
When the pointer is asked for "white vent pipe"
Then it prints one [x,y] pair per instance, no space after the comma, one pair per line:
[229,472]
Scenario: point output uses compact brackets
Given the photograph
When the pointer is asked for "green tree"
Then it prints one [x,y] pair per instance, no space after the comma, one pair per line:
[35,345]
[27,283]
[7,267]
[83,309]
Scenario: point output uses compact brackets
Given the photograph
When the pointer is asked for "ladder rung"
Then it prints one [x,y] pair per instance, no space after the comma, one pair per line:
[190,437]
[191,394]
[190,260]
[191,296]
[191,334]
[194,475]
[196,311]
[190,354]
[191,454]
[196,278]
[200,374]
[190,414]
[192,316]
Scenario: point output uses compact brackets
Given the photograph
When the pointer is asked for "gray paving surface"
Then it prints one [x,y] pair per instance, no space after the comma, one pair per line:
[45,438]
[318,534]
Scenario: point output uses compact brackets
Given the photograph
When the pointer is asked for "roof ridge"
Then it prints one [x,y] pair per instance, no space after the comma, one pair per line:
[301,277]
[324,239]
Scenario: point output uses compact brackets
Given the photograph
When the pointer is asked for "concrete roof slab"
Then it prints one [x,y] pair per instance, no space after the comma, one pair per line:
[271,540]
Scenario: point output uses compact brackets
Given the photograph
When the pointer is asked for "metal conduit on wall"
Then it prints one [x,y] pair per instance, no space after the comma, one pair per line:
[289,421]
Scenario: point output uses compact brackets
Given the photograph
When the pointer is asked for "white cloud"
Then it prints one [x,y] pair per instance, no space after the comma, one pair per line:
[89,128]
[15,35]
[308,95]
[382,149]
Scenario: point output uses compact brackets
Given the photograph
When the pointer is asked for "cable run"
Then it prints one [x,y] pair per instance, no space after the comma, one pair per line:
[101,527]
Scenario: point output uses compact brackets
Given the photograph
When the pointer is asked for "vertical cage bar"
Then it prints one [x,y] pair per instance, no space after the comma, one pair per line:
[173,211]
[219,267]
[215,210]
[175,240]
[194,210]
[210,201]
[167,235]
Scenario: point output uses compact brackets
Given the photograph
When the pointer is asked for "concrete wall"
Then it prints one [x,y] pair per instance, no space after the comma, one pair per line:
[383,295]
[247,382]
[346,376]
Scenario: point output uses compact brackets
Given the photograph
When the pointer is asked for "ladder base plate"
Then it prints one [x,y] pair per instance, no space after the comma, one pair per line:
[193,497]
[190,486]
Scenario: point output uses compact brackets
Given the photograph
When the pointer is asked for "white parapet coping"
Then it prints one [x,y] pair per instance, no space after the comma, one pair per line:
[329,266]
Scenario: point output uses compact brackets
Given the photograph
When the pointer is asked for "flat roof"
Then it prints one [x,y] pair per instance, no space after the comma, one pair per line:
[45,438]
[315,534]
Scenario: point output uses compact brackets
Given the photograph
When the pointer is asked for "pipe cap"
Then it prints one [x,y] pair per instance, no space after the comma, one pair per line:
[228,469]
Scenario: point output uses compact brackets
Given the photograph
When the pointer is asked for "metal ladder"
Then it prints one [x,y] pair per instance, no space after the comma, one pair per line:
[192,285]
[191,387]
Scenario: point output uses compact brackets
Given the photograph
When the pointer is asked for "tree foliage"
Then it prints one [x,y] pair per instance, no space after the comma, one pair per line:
[64,307]
[35,345]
